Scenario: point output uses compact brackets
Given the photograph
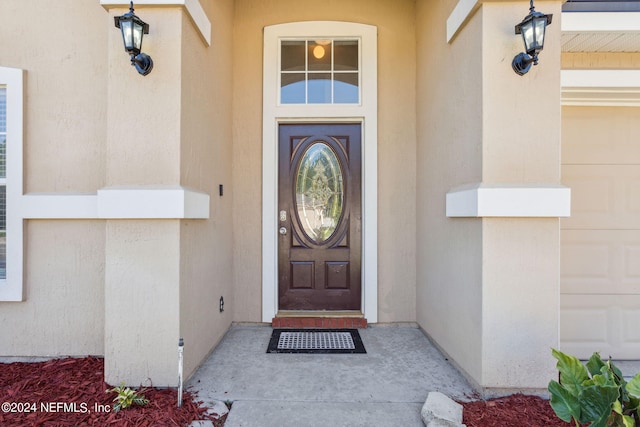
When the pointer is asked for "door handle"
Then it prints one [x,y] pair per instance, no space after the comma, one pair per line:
[283,230]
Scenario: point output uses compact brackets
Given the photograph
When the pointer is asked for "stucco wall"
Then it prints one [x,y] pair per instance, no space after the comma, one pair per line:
[396,144]
[64,151]
[521,256]
[206,246]
[449,154]
[474,126]
[63,313]
[65,112]
[91,121]
[142,302]
[184,139]
[143,113]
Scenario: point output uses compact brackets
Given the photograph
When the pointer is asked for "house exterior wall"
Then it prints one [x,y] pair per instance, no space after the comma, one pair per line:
[143,136]
[449,254]
[181,267]
[206,247]
[396,144]
[63,311]
[474,129]
[141,302]
[447,116]
[142,277]
[521,257]
[64,151]
[124,287]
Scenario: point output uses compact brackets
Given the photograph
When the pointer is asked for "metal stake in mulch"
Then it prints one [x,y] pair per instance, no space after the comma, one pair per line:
[180,350]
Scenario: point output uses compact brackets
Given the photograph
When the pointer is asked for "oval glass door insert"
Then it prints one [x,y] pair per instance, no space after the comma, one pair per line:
[319,192]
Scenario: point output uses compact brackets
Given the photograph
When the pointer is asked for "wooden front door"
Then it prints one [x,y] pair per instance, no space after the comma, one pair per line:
[320,217]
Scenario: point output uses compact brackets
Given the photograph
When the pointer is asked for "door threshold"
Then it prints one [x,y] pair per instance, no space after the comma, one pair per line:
[319,319]
[320,313]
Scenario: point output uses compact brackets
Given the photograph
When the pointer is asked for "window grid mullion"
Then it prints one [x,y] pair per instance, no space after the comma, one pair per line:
[333,80]
[306,71]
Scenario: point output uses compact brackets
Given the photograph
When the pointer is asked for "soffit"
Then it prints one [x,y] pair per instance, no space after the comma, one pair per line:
[601,42]
[601,32]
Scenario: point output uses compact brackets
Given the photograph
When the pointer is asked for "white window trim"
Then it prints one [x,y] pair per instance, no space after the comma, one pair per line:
[365,112]
[11,288]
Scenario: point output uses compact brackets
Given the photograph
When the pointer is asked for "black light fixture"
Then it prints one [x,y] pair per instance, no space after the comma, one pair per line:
[133,28]
[532,28]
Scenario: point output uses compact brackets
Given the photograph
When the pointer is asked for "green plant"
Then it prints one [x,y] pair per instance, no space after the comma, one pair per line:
[594,393]
[127,397]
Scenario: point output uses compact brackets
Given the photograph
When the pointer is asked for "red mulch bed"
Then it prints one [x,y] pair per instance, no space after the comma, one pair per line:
[512,411]
[72,392]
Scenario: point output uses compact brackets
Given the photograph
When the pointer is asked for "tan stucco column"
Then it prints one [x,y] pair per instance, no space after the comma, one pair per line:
[142,282]
[168,259]
[521,255]
[489,279]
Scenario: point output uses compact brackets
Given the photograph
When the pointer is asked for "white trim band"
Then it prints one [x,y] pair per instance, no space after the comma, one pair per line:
[164,202]
[509,200]
[193,7]
[600,87]
[133,202]
[59,206]
[608,22]
[463,11]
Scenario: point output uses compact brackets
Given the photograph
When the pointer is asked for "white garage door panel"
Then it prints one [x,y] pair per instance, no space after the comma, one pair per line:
[600,135]
[604,323]
[600,262]
[603,196]
[600,242]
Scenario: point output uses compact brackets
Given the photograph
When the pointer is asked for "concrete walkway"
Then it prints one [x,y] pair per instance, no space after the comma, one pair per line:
[385,387]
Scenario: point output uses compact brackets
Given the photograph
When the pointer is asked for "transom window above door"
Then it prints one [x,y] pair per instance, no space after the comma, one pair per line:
[316,71]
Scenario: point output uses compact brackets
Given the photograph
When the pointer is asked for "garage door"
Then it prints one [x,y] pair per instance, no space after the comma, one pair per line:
[600,243]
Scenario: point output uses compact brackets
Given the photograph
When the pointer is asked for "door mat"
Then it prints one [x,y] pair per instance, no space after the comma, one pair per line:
[317,341]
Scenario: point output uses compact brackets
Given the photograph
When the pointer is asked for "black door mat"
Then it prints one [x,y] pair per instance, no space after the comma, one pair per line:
[316,341]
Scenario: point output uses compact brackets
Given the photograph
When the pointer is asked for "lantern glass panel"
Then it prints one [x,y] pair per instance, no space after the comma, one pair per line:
[528,35]
[126,28]
[137,36]
[539,27]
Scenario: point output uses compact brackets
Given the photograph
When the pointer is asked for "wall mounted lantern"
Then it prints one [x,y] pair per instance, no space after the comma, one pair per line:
[532,28]
[133,28]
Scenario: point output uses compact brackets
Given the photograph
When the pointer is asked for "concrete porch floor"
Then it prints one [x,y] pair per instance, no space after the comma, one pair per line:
[387,386]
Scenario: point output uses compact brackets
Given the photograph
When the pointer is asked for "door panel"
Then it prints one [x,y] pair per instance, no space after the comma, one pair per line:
[600,242]
[319,199]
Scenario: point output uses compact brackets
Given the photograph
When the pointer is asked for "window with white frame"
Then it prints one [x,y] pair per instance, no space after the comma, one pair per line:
[3,183]
[320,71]
[11,228]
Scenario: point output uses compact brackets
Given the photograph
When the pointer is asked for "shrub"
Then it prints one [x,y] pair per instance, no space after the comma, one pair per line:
[127,397]
[594,393]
